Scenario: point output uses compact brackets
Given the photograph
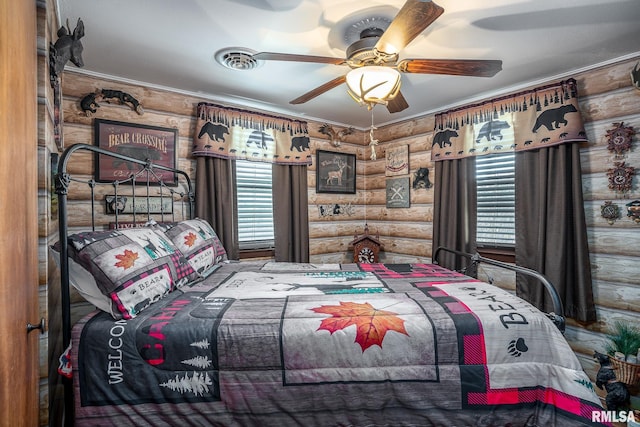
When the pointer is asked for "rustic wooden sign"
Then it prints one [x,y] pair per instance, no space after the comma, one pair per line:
[143,205]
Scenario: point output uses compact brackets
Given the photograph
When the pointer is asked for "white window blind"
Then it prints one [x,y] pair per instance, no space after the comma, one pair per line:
[255,206]
[495,180]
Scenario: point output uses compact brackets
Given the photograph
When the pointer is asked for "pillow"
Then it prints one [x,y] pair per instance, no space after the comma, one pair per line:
[199,243]
[133,268]
[83,282]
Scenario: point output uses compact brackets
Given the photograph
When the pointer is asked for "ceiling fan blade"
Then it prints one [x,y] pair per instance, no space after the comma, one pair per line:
[453,67]
[414,17]
[319,90]
[397,104]
[273,56]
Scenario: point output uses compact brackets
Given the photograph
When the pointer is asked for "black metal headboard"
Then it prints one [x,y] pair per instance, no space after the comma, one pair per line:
[144,183]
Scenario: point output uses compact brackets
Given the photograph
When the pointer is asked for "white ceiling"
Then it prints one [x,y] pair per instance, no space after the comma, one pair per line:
[172,43]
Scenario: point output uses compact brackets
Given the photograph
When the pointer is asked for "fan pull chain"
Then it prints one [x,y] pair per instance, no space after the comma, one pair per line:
[372,141]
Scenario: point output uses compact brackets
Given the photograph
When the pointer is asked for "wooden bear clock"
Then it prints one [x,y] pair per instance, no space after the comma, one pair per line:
[366,248]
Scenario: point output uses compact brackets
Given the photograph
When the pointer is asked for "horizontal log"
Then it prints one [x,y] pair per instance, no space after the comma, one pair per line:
[615,268]
[391,230]
[418,126]
[80,215]
[608,106]
[78,85]
[596,187]
[415,213]
[418,145]
[385,232]
[584,341]
[501,277]
[607,317]
[620,296]
[614,242]
[319,230]
[185,125]
[407,246]
[606,78]
[330,245]
[414,249]
[598,159]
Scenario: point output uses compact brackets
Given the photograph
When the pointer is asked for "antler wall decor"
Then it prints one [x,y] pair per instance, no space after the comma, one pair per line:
[336,137]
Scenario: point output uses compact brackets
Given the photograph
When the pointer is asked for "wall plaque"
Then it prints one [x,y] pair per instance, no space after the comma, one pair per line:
[398,192]
[143,205]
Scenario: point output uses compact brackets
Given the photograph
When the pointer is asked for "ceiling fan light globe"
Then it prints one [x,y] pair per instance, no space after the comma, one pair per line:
[373,84]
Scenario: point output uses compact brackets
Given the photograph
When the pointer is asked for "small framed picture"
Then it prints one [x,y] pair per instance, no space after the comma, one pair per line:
[397,161]
[142,142]
[398,193]
[335,172]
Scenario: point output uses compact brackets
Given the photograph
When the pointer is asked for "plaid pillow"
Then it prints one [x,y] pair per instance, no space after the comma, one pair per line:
[133,268]
[199,243]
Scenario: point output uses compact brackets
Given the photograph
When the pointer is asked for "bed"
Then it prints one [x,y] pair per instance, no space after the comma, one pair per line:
[194,339]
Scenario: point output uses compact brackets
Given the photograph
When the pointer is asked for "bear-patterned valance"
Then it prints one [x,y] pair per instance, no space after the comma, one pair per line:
[238,134]
[536,118]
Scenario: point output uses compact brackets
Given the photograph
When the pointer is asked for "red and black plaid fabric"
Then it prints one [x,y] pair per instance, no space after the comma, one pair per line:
[474,376]
[408,271]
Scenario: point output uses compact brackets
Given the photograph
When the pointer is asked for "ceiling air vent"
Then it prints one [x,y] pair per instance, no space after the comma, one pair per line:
[237,58]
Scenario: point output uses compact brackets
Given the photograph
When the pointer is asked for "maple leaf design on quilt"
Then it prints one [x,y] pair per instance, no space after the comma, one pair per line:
[371,324]
[190,239]
[127,259]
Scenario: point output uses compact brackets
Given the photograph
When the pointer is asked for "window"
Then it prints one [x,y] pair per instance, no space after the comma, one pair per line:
[255,207]
[495,181]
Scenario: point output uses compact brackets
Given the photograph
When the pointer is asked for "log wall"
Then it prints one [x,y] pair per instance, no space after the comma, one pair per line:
[606,97]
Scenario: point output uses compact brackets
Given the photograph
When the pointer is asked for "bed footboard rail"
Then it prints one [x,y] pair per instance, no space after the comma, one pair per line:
[556,316]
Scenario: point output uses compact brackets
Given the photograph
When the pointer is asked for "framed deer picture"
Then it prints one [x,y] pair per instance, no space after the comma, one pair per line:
[335,172]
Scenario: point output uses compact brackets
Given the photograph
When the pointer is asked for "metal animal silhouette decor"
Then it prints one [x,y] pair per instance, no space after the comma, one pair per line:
[68,47]
[618,396]
[89,103]
[635,76]
[421,179]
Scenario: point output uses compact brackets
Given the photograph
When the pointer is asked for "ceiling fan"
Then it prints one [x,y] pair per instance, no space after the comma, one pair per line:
[380,49]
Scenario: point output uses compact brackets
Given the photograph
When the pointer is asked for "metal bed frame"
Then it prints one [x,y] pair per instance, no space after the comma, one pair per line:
[556,316]
[147,171]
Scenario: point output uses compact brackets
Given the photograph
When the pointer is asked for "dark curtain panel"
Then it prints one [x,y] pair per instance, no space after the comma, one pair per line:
[551,234]
[290,213]
[216,200]
[454,209]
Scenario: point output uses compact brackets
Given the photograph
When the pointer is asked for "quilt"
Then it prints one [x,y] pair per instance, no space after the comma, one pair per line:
[279,344]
